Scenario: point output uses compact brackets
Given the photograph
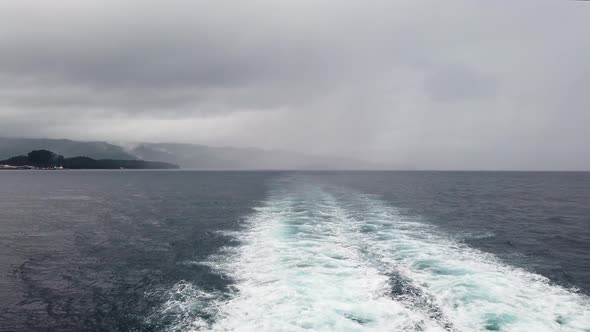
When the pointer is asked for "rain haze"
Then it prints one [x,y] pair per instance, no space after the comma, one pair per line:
[403,84]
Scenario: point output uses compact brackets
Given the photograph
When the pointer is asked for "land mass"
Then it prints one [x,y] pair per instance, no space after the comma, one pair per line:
[187,156]
[45,159]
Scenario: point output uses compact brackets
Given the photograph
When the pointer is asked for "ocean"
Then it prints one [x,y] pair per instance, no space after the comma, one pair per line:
[294,251]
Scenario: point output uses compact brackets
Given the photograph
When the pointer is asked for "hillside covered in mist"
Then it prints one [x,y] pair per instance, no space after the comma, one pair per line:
[187,156]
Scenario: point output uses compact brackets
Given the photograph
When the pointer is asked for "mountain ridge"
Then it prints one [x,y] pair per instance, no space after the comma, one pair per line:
[186,155]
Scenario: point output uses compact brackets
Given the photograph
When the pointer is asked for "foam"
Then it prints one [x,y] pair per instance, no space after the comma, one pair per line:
[475,290]
[296,271]
[186,308]
[310,259]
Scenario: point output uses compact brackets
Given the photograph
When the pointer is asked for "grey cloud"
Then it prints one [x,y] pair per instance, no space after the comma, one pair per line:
[413,84]
[458,82]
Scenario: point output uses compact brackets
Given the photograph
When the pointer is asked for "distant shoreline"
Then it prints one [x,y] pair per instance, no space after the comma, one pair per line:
[48,160]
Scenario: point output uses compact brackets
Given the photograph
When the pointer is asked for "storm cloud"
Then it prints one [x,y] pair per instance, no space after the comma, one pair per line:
[409,84]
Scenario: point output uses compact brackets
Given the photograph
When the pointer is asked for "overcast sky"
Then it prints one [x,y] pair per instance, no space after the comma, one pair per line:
[497,84]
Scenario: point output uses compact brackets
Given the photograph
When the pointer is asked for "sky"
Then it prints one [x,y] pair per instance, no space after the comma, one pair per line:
[457,84]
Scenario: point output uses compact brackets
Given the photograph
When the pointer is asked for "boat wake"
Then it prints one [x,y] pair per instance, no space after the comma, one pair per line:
[322,259]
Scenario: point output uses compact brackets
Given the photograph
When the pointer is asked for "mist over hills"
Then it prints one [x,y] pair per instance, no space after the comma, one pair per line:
[188,156]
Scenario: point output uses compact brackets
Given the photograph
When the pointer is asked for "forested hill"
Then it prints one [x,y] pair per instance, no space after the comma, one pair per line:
[48,159]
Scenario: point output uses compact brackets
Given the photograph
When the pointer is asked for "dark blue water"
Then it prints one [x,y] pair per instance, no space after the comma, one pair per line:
[180,250]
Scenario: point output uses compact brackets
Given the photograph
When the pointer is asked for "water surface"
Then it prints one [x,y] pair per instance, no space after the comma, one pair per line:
[294,251]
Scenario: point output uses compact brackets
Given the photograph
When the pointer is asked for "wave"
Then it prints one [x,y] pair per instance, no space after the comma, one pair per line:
[335,260]
[475,290]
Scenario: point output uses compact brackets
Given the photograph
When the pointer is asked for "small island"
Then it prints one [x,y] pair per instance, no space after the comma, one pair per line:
[44,159]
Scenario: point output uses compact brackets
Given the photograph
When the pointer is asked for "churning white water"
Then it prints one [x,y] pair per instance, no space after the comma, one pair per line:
[332,260]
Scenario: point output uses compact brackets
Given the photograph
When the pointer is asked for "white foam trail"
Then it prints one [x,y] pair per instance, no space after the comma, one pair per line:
[474,290]
[310,260]
[297,271]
